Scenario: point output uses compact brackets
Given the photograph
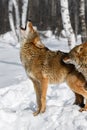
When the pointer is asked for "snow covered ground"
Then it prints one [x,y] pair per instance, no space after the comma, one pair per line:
[17,97]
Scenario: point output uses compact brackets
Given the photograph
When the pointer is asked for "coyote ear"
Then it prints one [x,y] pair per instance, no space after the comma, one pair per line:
[79,49]
[67,60]
[39,44]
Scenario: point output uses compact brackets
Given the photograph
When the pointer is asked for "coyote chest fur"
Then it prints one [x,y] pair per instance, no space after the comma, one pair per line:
[42,62]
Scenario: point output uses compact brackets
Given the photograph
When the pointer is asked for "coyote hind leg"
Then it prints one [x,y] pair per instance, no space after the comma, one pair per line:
[84,108]
[79,100]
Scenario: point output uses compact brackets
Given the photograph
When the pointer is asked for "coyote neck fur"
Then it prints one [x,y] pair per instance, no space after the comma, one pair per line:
[28,39]
[83,69]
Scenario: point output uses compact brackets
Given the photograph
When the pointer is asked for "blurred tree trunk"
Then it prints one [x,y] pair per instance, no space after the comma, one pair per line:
[76,18]
[53,15]
[49,12]
[14,28]
[11,19]
[42,13]
[14,15]
[17,18]
[24,12]
[59,19]
[82,19]
[30,9]
[67,24]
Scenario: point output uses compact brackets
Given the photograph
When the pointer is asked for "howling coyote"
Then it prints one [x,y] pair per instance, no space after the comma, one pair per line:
[44,67]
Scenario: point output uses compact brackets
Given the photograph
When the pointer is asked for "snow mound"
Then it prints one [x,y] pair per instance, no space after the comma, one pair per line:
[14,97]
[17,103]
[8,38]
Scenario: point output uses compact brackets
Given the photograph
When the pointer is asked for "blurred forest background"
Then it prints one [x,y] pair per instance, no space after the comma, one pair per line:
[44,14]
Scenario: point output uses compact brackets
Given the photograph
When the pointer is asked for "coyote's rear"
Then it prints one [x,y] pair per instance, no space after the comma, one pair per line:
[44,66]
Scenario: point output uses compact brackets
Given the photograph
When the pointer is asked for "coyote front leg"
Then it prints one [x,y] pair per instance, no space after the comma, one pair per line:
[44,85]
[37,88]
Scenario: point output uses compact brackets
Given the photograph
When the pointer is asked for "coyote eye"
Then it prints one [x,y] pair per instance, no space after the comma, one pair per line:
[79,50]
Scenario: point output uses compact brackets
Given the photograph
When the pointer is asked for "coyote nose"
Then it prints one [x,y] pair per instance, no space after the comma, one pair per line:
[29,24]
[29,20]
[23,28]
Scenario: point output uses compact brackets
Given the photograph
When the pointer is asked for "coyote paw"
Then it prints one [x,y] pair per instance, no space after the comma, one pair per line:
[36,112]
[83,109]
[42,110]
[79,104]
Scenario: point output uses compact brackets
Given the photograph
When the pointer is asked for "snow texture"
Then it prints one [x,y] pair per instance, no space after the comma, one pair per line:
[17,96]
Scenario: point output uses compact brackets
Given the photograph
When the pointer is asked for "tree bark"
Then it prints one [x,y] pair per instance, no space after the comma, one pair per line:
[76,18]
[82,19]
[11,19]
[17,17]
[67,24]
[24,12]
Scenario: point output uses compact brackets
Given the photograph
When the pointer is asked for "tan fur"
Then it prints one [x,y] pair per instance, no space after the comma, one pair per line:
[78,57]
[44,67]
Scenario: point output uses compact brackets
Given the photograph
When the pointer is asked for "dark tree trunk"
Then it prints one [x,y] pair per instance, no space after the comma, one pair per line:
[82,20]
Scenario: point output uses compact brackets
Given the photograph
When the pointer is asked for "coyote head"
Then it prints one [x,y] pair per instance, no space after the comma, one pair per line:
[30,35]
[77,56]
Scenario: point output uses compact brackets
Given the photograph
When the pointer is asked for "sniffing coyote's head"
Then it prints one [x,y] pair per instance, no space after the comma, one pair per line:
[30,35]
[77,56]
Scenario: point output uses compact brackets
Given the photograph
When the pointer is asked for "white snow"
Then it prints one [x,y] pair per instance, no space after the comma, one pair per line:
[49,33]
[17,96]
